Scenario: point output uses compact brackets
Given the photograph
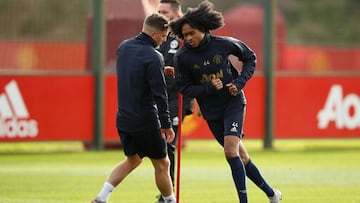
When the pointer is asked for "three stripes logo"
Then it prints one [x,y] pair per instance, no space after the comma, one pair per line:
[234,128]
[15,120]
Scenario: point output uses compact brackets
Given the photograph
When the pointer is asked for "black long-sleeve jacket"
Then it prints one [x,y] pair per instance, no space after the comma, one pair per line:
[142,96]
[168,50]
[196,65]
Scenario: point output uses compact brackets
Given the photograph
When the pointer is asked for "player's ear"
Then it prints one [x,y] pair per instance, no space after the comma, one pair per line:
[178,14]
[152,34]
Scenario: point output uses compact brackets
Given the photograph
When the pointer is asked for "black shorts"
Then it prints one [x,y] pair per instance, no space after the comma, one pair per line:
[145,144]
[231,124]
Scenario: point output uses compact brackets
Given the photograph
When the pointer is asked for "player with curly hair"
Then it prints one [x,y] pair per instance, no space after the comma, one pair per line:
[206,73]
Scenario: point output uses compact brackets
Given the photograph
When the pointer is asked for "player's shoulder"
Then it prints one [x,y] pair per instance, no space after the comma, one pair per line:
[224,39]
[125,44]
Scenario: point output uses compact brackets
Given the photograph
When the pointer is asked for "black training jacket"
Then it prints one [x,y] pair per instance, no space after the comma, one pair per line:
[168,50]
[195,66]
[142,96]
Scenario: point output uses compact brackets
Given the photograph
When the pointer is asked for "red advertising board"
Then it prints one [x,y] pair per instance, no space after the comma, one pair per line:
[194,126]
[42,108]
[305,107]
[110,109]
[317,107]
[54,108]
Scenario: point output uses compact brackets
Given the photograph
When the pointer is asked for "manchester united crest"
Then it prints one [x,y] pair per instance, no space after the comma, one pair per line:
[217,59]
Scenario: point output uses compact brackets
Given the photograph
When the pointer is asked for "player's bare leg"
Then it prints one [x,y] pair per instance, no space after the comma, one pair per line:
[123,169]
[117,175]
[162,178]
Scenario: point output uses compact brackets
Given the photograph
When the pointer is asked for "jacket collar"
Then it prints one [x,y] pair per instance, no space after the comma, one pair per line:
[146,38]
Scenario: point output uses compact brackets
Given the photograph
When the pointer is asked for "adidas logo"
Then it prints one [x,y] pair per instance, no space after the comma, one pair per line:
[14,116]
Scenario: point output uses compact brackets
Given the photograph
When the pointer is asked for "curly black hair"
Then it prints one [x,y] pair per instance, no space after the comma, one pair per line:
[203,18]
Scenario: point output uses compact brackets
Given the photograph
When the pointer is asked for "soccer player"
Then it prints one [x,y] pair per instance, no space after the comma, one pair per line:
[172,10]
[143,117]
[206,73]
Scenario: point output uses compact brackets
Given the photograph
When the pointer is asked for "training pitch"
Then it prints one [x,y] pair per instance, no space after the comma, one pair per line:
[306,171]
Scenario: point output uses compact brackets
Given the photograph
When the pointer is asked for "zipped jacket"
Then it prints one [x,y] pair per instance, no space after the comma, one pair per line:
[196,65]
[142,96]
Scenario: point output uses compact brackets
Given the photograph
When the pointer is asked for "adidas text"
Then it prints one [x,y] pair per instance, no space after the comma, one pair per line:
[12,128]
[15,120]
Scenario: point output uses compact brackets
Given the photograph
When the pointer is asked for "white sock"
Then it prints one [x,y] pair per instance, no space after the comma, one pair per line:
[170,199]
[105,192]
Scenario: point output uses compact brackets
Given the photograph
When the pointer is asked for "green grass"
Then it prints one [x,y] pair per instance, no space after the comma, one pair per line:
[306,171]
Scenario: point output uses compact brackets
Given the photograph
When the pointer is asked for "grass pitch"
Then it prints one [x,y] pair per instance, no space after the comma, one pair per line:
[306,171]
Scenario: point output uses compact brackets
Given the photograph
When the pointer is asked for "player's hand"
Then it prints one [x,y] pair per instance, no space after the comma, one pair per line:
[232,89]
[216,82]
[169,70]
[168,134]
